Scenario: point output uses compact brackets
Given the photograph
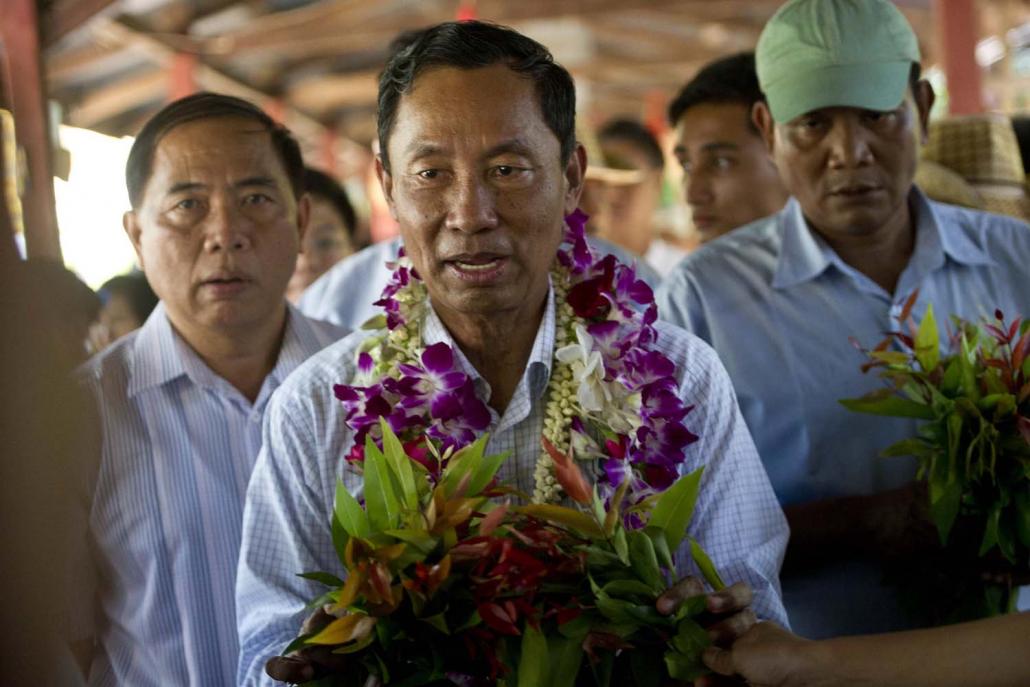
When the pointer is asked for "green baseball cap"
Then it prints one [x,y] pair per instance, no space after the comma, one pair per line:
[835,53]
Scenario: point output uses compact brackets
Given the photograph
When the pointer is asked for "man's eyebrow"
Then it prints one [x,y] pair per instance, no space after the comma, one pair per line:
[719,146]
[255,181]
[420,150]
[184,186]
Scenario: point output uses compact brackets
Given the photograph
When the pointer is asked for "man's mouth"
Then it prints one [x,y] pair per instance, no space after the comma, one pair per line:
[854,190]
[477,267]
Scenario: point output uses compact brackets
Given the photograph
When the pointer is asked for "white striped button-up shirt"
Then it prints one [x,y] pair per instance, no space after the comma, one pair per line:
[165,505]
[290,500]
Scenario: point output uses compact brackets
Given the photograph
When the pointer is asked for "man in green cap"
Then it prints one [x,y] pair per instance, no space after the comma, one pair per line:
[779,300]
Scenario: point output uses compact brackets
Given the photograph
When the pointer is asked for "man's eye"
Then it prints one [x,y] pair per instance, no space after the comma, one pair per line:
[722,163]
[429,174]
[187,204]
[505,170]
[256,199]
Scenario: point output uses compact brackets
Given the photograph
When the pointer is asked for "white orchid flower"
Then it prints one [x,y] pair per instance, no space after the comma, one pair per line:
[588,370]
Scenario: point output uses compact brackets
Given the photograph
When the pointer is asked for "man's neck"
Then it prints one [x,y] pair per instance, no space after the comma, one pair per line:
[881,256]
[243,359]
[498,347]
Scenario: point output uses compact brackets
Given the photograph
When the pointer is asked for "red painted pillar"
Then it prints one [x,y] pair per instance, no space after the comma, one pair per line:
[182,76]
[19,39]
[959,34]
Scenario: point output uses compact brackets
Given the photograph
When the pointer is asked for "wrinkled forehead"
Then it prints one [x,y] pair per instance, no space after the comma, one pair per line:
[448,110]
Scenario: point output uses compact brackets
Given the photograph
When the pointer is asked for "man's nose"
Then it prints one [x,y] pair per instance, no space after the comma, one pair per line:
[849,144]
[473,205]
[227,229]
[698,189]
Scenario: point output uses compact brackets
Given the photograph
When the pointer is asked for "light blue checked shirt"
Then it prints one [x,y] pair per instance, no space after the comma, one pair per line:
[166,505]
[778,306]
[344,295]
[290,499]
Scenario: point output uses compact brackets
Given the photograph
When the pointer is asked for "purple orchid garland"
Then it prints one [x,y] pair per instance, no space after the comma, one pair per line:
[421,393]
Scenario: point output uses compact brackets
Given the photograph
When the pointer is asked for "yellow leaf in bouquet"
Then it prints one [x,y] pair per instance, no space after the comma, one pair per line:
[345,629]
[349,591]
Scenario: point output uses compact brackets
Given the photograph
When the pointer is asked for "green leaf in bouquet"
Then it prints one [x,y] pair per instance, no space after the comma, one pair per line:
[297,644]
[420,539]
[644,560]
[483,471]
[675,507]
[683,660]
[381,501]
[951,382]
[684,668]
[705,565]
[323,577]
[692,607]
[885,402]
[357,646]
[461,464]
[566,655]
[339,537]
[661,548]
[621,545]
[598,557]
[907,447]
[927,342]
[577,628]
[967,358]
[349,513]
[375,322]
[438,622]
[945,500]
[534,660]
[578,521]
[400,467]
[624,588]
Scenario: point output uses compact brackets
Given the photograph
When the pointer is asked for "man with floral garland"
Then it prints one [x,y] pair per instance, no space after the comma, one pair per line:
[780,298]
[480,167]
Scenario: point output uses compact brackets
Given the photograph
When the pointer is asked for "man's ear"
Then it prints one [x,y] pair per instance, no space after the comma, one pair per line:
[575,171]
[303,219]
[922,93]
[130,223]
[385,183]
[763,121]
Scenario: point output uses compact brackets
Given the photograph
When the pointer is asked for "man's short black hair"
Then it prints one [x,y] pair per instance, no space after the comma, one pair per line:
[206,105]
[731,79]
[636,134]
[320,184]
[471,45]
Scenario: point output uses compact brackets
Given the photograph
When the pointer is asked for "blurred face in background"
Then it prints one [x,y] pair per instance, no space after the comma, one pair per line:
[326,242]
[729,179]
[631,207]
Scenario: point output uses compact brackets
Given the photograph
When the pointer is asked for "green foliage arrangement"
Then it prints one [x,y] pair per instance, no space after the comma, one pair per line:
[444,585]
[973,446]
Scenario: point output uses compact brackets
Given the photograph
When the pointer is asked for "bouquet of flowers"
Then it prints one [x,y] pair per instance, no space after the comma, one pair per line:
[973,447]
[455,578]
[444,586]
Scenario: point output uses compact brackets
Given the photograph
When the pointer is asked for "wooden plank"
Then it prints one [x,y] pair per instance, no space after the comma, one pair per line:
[121,96]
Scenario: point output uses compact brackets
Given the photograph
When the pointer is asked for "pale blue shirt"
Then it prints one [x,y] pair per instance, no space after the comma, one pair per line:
[779,307]
[345,294]
[166,505]
[289,503]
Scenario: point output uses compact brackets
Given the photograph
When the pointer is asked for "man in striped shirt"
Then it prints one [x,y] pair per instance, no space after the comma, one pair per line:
[218,210]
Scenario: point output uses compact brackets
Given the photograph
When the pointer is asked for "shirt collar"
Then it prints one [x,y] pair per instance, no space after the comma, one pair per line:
[805,255]
[538,368]
[160,355]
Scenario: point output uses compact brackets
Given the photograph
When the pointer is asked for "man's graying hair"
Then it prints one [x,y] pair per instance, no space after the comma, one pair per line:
[471,45]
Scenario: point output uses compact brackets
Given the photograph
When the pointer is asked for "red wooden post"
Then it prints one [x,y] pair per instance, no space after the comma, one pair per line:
[959,33]
[182,76]
[19,39]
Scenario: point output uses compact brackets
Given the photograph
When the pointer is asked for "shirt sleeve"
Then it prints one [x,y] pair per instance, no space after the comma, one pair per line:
[286,530]
[737,519]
